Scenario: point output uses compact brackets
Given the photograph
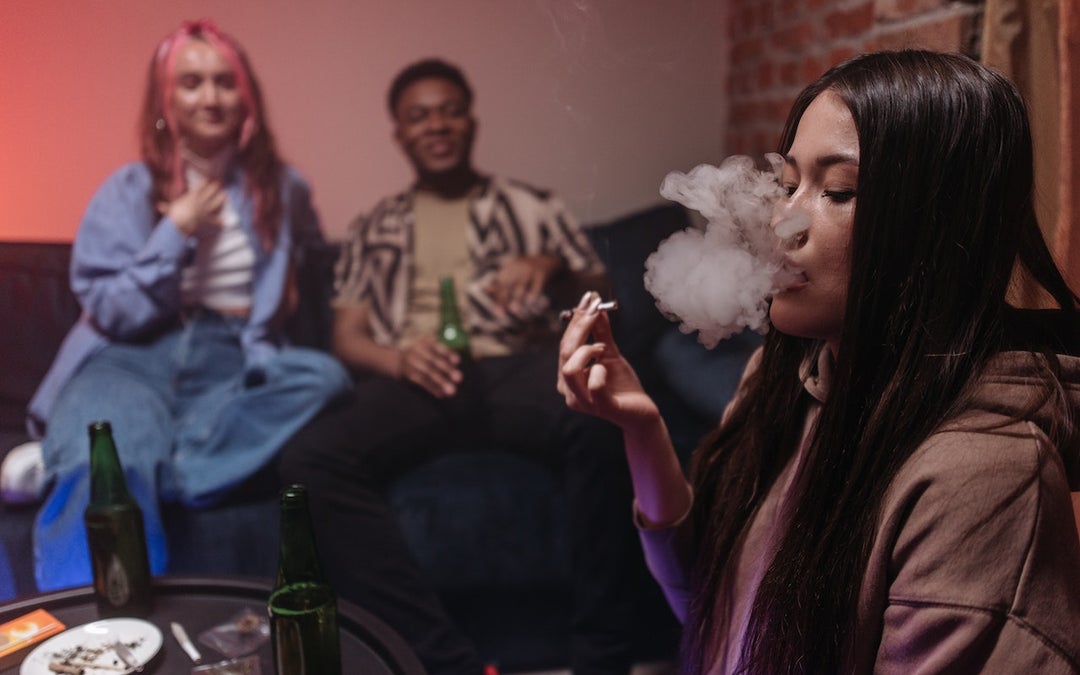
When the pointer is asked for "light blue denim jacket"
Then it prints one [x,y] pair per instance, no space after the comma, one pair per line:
[125,271]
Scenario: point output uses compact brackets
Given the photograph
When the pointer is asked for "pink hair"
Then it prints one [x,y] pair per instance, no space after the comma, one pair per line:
[165,74]
[159,137]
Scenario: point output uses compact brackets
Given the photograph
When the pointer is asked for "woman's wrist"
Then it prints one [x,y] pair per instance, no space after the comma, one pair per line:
[644,425]
[183,224]
[644,522]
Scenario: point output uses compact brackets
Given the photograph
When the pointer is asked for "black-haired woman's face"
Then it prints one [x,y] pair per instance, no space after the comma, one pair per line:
[820,176]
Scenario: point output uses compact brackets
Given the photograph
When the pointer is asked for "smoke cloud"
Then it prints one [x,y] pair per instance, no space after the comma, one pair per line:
[718,280]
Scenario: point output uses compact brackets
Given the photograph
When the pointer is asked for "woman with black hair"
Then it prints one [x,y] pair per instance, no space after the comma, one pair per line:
[889,490]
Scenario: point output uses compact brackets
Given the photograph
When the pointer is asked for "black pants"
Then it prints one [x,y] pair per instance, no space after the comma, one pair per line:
[351,454]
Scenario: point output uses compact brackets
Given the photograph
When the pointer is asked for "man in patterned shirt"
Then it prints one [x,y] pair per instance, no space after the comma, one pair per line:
[508,246]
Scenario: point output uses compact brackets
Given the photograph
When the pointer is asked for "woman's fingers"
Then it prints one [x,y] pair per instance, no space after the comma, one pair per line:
[575,371]
[585,377]
[601,332]
[580,326]
[597,375]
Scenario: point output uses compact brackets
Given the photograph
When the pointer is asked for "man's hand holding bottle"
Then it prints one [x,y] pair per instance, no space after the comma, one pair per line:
[431,365]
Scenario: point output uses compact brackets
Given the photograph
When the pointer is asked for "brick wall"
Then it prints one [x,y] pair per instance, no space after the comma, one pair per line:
[779,46]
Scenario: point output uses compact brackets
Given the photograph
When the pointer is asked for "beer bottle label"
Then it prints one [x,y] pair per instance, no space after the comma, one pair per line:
[451,335]
[117,585]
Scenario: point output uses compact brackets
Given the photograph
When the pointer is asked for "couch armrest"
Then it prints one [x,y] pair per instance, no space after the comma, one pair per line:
[37,309]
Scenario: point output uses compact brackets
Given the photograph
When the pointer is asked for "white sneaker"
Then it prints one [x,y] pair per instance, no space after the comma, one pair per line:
[22,474]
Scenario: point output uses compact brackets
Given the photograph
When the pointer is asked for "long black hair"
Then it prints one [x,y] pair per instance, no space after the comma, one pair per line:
[943,213]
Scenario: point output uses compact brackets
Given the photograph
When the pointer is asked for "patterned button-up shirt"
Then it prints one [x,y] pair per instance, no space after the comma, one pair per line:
[507,219]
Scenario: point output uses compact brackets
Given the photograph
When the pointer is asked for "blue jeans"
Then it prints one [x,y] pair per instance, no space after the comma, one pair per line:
[189,424]
[7,579]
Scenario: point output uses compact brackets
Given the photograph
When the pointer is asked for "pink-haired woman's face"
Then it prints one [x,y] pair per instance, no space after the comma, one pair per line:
[207,105]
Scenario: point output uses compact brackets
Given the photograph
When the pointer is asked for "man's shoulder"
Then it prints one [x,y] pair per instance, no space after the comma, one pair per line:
[395,202]
[516,187]
[389,207]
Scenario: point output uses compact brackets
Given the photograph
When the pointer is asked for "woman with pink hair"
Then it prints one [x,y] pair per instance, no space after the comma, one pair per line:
[182,265]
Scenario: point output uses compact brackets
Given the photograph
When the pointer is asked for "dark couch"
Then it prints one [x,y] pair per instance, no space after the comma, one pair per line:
[489,528]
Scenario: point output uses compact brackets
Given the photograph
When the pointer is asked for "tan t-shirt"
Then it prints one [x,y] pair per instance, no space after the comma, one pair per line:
[440,250]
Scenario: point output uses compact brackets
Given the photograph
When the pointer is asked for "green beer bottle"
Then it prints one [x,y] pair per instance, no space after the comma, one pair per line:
[303,609]
[451,331]
[115,534]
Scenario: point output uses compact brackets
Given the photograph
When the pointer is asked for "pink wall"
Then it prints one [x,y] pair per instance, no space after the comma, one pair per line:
[597,99]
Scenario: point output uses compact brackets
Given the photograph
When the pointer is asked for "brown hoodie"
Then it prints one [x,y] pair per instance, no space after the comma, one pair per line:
[975,566]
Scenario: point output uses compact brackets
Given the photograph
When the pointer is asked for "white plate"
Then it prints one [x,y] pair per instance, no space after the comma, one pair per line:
[89,644]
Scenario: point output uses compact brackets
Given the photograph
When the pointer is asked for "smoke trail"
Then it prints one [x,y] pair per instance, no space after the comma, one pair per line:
[717,281]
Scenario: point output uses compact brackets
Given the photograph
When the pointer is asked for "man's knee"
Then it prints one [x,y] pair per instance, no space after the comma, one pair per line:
[295,460]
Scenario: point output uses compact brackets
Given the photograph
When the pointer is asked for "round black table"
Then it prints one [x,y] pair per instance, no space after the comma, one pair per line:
[367,644]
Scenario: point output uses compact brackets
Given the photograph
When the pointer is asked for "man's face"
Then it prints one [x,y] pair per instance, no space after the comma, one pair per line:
[434,126]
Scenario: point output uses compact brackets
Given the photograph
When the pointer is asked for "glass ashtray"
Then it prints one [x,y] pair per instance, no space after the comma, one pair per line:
[241,635]
[248,665]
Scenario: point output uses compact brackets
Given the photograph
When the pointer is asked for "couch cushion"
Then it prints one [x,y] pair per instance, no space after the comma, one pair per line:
[705,379]
[39,308]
